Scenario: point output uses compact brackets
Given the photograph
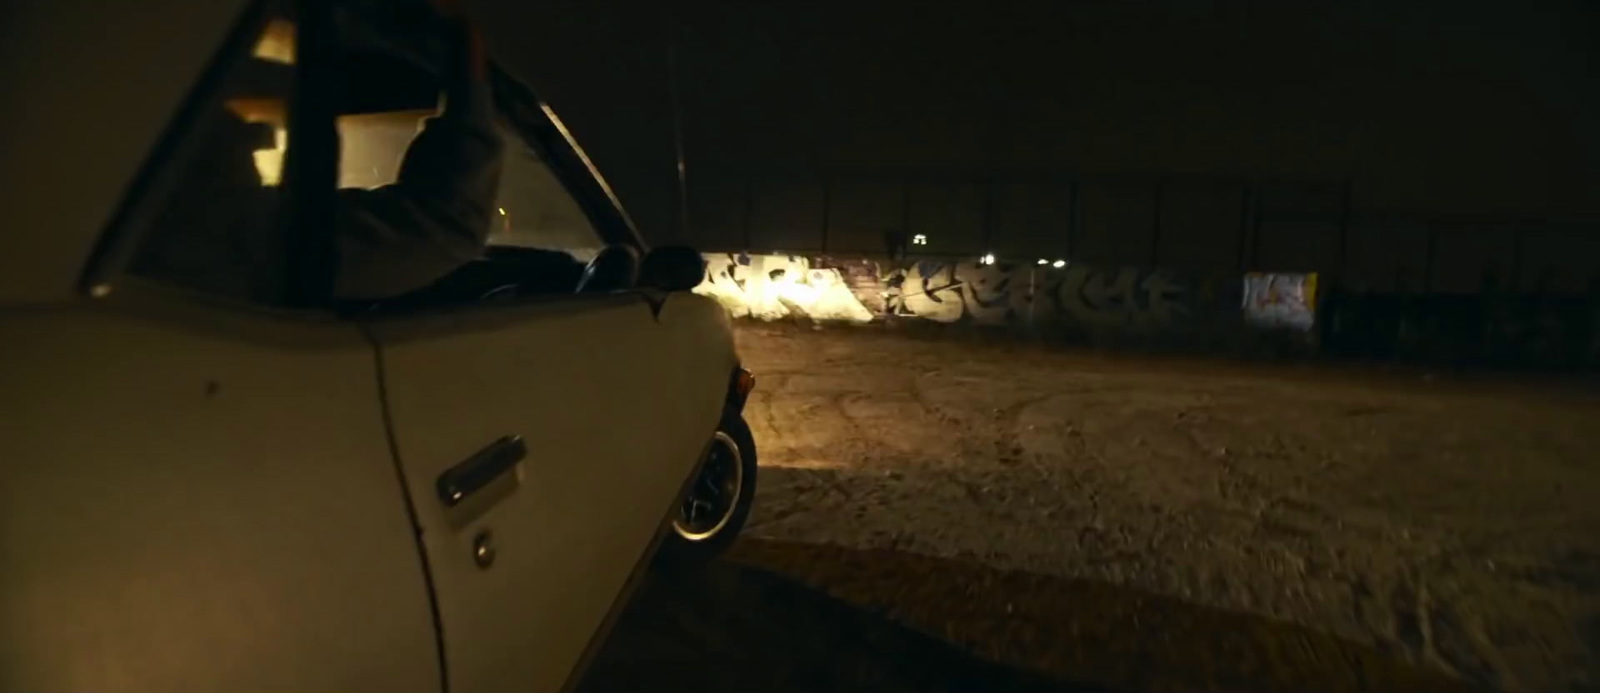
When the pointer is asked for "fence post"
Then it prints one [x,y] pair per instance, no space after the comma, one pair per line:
[1428,258]
[1255,232]
[1033,294]
[1514,282]
[1344,228]
[749,215]
[1155,231]
[827,209]
[1074,217]
[988,216]
[905,213]
[1241,251]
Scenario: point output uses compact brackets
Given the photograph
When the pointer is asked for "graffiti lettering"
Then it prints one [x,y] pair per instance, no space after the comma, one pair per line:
[1127,296]
[774,287]
[1280,300]
[950,292]
[771,287]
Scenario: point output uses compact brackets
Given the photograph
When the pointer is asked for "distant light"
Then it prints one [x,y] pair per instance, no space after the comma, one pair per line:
[269,162]
[1058,264]
[1043,261]
[987,259]
[502,211]
[276,44]
[919,239]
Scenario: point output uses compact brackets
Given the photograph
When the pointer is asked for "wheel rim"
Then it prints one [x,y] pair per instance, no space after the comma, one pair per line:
[715,492]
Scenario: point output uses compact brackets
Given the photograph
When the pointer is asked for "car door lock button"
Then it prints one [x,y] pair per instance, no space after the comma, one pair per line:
[483,549]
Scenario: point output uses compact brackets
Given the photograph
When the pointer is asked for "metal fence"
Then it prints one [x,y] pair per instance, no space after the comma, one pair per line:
[1203,226]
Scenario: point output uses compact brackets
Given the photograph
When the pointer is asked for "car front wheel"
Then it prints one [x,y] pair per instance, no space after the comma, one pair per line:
[713,510]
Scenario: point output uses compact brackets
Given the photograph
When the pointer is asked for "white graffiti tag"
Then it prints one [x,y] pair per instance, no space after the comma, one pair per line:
[951,292]
[774,287]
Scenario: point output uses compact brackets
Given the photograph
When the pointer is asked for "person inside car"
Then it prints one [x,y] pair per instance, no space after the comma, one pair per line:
[221,234]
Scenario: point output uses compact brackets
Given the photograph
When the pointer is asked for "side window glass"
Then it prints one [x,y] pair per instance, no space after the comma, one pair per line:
[371,145]
[214,223]
[217,228]
[536,211]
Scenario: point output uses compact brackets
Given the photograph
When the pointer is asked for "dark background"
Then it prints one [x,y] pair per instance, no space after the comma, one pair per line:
[1435,146]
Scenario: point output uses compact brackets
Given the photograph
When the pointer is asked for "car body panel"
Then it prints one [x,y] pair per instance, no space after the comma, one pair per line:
[615,407]
[201,497]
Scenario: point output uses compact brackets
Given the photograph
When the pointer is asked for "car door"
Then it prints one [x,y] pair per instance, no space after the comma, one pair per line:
[197,490]
[614,408]
[611,400]
[200,497]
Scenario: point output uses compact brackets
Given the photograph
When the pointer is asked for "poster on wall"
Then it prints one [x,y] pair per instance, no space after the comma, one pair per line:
[1280,300]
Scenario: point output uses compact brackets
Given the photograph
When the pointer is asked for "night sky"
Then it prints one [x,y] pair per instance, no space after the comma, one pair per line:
[1431,110]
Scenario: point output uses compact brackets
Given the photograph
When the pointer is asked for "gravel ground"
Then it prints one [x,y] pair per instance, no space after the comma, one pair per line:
[1450,524]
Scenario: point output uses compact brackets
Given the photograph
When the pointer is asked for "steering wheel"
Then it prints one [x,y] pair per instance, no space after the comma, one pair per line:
[614,268]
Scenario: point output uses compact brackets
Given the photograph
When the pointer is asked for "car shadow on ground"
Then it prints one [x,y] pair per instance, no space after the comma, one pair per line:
[782,616]
[737,627]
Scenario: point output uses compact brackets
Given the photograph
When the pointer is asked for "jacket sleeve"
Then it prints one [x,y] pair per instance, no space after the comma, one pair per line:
[435,217]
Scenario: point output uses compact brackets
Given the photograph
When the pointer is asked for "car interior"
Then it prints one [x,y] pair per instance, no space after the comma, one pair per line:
[545,244]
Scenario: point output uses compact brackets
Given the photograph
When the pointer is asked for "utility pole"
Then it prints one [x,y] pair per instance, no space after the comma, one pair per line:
[677,121]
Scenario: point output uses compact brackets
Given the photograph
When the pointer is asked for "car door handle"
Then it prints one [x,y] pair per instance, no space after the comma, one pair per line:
[468,477]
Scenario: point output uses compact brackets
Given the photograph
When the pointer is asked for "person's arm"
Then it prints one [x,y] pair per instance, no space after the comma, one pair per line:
[437,215]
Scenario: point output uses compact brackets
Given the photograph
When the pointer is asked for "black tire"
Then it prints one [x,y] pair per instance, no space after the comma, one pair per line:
[693,539]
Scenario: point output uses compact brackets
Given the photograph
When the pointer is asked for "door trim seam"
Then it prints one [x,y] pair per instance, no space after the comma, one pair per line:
[411,507]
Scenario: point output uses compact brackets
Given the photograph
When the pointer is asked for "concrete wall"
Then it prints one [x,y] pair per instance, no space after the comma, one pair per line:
[1072,298]
[1501,330]
[1131,305]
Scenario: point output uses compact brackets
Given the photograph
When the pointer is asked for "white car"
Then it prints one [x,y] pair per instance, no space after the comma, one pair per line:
[449,492]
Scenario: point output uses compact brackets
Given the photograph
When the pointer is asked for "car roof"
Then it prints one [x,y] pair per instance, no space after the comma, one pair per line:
[88,87]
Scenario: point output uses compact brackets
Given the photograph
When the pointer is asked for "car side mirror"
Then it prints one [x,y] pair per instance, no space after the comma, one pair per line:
[672,268]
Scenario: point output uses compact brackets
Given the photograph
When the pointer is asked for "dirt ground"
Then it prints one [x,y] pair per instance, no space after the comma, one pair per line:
[1154,523]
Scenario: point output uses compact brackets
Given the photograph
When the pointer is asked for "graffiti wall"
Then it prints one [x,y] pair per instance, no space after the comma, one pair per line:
[774,287]
[1030,294]
[1280,300]
[1498,330]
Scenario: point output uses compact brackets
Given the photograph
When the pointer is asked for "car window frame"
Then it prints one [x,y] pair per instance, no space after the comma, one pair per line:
[537,124]
[175,149]
[516,105]
[520,109]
